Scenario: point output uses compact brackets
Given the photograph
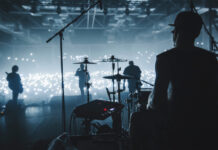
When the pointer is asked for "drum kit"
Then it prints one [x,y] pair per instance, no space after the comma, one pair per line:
[118,77]
[114,77]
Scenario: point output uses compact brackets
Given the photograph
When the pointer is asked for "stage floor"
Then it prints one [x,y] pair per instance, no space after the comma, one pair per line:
[36,125]
[21,129]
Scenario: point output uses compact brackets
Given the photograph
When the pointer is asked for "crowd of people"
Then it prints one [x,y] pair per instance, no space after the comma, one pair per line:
[43,86]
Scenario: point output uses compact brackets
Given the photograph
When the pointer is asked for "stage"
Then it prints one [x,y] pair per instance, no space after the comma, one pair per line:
[34,126]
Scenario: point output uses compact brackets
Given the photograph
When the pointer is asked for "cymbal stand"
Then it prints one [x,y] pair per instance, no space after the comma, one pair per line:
[113,68]
[129,105]
[116,117]
[87,83]
[119,90]
[87,122]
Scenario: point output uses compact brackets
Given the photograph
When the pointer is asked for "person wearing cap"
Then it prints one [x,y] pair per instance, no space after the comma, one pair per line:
[185,88]
[84,77]
[14,83]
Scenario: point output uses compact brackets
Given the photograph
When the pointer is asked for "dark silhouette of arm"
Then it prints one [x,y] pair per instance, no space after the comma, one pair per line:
[158,97]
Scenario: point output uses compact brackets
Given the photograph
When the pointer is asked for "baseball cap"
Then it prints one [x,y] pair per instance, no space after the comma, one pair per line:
[188,20]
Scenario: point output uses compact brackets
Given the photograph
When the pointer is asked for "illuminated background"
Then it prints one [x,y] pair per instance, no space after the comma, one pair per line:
[130,29]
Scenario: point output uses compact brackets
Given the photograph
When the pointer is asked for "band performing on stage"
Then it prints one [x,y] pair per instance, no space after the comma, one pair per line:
[178,111]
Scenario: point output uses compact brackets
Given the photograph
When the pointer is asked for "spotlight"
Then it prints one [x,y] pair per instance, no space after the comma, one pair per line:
[127,10]
[105,11]
[58,9]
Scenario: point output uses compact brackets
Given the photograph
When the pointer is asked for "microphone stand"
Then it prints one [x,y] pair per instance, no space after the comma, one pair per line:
[87,83]
[147,82]
[60,34]
[113,68]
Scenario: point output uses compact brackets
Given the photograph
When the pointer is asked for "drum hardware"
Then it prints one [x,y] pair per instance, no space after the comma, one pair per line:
[147,82]
[117,121]
[114,60]
[129,106]
[109,94]
[90,113]
[86,61]
[102,129]
[99,110]
[118,77]
[132,97]
[137,99]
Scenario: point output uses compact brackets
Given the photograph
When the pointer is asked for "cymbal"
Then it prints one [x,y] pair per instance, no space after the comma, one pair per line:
[118,77]
[113,59]
[86,61]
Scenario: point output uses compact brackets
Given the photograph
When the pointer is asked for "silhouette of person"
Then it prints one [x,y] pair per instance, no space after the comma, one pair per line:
[186,88]
[84,77]
[14,83]
[145,127]
[132,70]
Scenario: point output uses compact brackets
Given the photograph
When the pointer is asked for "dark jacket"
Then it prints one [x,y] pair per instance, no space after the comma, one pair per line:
[14,82]
[186,87]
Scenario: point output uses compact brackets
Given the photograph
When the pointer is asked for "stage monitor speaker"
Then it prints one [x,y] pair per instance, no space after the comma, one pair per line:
[97,109]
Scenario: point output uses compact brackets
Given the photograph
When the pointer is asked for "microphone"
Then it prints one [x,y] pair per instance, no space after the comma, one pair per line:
[100,4]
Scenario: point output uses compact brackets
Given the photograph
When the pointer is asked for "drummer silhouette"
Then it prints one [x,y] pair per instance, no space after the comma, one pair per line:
[84,77]
[132,70]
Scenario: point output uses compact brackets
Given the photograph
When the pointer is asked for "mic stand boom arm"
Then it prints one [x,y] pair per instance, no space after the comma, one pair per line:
[73,21]
[60,34]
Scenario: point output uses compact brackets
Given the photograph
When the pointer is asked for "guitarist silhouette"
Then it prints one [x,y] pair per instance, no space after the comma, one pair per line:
[14,83]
